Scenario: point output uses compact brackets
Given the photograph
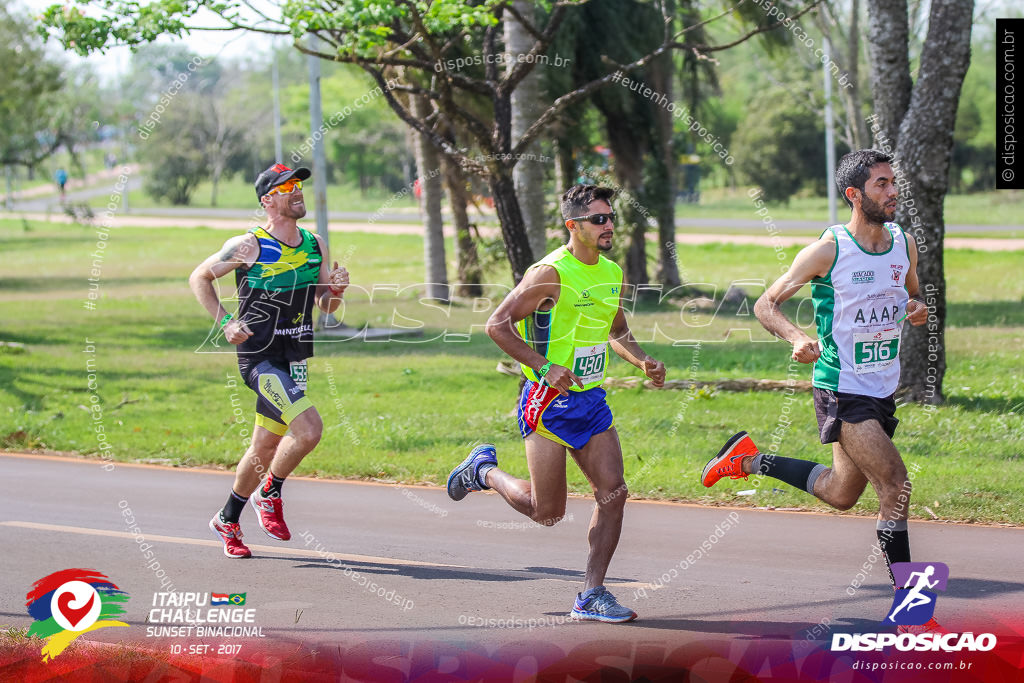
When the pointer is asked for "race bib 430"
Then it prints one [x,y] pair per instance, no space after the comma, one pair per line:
[588,363]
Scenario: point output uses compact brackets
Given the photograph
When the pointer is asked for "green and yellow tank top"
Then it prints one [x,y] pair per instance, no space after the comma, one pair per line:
[574,333]
[276,295]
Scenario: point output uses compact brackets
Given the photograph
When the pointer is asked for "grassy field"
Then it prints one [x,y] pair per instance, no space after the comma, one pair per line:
[237,193]
[407,409]
[990,208]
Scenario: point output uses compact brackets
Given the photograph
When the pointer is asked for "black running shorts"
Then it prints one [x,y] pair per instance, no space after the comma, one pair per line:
[833,408]
[279,398]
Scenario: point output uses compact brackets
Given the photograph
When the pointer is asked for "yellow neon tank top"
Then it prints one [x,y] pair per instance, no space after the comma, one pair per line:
[574,333]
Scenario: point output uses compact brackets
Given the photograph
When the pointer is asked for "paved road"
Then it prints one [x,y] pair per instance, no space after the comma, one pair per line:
[449,566]
[48,205]
[405,228]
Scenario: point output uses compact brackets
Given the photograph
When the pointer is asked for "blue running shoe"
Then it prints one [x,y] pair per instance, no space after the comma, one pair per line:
[466,477]
[601,606]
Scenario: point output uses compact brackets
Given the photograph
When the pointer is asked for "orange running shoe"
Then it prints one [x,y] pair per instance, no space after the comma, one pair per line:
[930,626]
[729,461]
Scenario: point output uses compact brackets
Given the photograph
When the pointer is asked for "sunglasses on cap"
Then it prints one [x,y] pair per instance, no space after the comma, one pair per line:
[287,187]
[595,218]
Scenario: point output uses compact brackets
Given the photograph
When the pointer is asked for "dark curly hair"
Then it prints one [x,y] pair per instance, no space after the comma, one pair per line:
[578,197]
[854,169]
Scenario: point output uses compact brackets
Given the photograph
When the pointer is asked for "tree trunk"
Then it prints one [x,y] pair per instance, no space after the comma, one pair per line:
[469,275]
[428,163]
[663,193]
[565,167]
[851,95]
[527,106]
[849,65]
[628,151]
[636,253]
[888,33]
[506,204]
[923,140]
[214,180]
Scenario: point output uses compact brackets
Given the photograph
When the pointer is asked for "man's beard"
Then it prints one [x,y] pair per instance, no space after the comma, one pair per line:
[290,211]
[875,212]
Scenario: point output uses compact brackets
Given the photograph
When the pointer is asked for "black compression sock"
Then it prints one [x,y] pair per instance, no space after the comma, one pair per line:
[272,486]
[894,540]
[233,508]
[799,473]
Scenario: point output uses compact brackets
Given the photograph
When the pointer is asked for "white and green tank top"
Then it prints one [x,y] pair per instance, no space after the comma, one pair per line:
[858,308]
[574,333]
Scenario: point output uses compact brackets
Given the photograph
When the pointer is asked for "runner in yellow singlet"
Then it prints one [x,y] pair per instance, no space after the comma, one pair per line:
[558,323]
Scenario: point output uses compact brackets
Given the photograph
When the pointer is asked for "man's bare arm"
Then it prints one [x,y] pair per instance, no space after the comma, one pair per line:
[813,261]
[331,284]
[917,310]
[237,252]
[625,345]
[538,288]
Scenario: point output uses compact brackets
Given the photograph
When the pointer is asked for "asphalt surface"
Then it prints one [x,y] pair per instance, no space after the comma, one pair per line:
[474,570]
[51,205]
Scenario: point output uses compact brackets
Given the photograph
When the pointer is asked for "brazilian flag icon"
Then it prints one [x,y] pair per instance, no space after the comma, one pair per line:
[237,598]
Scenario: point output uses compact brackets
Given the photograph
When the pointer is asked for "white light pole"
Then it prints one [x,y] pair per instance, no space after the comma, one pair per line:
[278,154]
[830,143]
[316,120]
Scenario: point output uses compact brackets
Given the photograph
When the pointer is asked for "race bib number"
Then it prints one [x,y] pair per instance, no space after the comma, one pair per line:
[297,370]
[874,351]
[588,363]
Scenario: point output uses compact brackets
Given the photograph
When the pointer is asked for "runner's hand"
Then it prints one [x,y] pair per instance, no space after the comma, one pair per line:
[337,279]
[655,371]
[236,332]
[561,379]
[806,351]
[917,313]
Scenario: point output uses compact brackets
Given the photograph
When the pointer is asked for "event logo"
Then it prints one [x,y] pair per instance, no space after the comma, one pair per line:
[71,602]
[914,604]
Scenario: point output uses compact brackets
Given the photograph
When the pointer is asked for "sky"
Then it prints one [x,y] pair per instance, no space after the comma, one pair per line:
[115,61]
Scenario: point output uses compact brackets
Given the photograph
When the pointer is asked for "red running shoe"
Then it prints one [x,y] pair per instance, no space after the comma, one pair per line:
[270,512]
[930,626]
[729,461]
[231,535]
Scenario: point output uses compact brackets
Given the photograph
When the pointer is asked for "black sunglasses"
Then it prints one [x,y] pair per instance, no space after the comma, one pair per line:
[596,218]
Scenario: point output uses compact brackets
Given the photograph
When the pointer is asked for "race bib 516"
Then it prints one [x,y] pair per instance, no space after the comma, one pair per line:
[874,351]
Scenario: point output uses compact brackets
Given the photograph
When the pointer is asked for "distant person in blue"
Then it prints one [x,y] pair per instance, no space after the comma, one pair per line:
[62,178]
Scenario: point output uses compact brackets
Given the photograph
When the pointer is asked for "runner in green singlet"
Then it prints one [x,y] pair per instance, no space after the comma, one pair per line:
[863,278]
[280,271]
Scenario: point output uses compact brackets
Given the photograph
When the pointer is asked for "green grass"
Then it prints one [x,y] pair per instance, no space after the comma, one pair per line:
[405,410]
[996,208]
[238,193]
[1001,207]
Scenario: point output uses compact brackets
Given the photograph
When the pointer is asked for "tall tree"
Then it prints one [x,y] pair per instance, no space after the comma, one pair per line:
[916,120]
[422,37]
[30,96]
[428,166]
[848,62]
[527,105]
[466,257]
